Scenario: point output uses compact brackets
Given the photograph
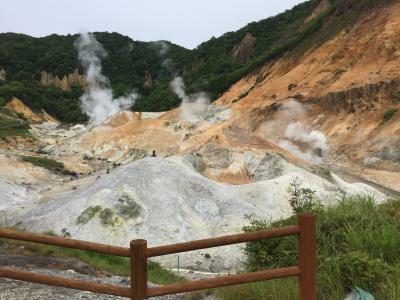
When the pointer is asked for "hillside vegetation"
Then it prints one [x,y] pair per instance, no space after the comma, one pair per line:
[12,125]
[47,163]
[149,67]
[356,248]
[211,67]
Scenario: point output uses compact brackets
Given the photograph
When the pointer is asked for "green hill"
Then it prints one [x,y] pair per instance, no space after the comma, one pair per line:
[212,67]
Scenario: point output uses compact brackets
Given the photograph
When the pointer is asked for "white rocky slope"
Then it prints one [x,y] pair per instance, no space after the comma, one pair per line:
[165,203]
[15,200]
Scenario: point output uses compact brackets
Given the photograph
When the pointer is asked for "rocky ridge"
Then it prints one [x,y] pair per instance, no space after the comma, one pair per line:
[65,82]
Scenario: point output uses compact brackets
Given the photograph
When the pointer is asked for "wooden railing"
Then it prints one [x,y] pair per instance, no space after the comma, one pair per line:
[139,254]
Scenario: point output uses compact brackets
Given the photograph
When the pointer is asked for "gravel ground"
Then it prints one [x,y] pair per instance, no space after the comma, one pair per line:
[19,290]
[20,257]
[58,266]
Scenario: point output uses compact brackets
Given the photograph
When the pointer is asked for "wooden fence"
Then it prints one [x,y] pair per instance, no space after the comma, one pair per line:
[139,254]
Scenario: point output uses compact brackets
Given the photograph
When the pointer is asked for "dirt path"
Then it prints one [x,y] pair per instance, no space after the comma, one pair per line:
[351,177]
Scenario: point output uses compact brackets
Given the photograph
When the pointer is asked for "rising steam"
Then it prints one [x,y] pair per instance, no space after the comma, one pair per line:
[299,132]
[289,132]
[97,101]
[192,106]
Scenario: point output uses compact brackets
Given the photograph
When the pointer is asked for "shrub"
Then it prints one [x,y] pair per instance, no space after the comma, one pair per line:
[389,114]
[47,163]
[301,199]
[396,96]
[127,207]
[272,253]
[65,233]
[391,208]
[107,217]
[339,71]
[88,214]
[359,269]
[357,244]
[11,126]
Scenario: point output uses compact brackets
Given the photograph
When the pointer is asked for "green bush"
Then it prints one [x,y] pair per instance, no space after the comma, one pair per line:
[107,217]
[47,163]
[389,114]
[301,199]
[263,254]
[358,244]
[6,133]
[339,71]
[11,125]
[357,268]
[88,214]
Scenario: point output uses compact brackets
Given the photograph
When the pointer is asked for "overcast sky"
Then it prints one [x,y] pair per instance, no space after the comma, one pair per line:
[184,22]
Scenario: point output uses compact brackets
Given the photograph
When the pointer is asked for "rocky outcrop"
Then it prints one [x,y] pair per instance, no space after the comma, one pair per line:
[216,157]
[272,165]
[196,161]
[17,106]
[361,97]
[3,74]
[65,82]
[165,202]
[243,51]
[148,80]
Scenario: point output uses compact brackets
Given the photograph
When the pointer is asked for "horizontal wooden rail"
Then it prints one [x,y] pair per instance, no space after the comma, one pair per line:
[223,241]
[66,282]
[63,242]
[139,253]
[222,281]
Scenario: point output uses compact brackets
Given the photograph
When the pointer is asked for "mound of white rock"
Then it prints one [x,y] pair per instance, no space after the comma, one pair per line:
[165,203]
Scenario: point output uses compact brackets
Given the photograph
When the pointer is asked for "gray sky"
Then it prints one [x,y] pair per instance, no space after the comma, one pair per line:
[184,22]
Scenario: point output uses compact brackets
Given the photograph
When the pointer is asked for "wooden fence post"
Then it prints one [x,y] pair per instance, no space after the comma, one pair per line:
[307,257]
[138,269]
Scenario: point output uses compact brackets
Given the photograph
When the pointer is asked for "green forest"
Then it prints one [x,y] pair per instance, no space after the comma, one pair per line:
[211,67]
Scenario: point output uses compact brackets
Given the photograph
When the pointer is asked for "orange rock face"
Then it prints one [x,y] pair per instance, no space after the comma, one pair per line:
[346,84]
[16,105]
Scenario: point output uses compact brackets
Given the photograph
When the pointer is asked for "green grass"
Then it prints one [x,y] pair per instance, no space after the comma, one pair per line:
[358,245]
[47,163]
[389,114]
[6,133]
[113,264]
[339,71]
[11,126]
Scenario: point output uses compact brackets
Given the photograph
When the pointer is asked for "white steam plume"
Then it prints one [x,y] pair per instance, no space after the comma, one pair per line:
[162,46]
[299,132]
[292,148]
[193,106]
[289,132]
[97,101]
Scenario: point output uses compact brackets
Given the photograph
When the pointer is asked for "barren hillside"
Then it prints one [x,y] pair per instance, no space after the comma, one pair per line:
[346,84]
